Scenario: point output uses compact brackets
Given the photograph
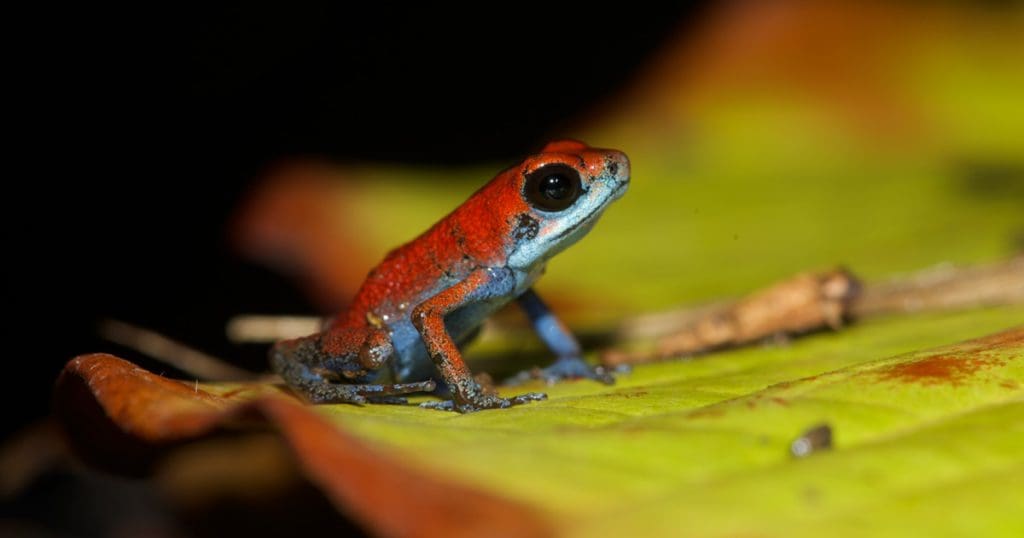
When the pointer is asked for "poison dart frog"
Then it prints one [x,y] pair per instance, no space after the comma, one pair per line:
[402,332]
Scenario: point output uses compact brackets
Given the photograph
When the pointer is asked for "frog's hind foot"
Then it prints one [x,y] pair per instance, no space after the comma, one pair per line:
[562,369]
[487,401]
[388,400]
[322,392]
[321,377]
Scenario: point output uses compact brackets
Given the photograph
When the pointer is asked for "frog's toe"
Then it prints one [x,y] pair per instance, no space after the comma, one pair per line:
[562,369]
[485,401]
[323,392]
[528,397]
[404,388]
[600,374]
[388,400]
[491,401]
[439,405]
[330,393]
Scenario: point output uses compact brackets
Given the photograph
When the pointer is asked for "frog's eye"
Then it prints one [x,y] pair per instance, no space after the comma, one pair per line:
[553,187]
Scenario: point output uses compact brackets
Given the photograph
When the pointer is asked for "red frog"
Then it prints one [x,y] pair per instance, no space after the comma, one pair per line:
[432,294]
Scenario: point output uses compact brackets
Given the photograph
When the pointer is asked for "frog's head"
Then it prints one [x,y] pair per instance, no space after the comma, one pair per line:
[564,189]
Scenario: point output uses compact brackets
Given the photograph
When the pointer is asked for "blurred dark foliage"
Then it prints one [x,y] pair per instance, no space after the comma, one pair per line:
[82,502]
[140,128]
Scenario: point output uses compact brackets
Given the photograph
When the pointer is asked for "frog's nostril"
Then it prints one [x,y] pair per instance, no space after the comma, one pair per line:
[617,165]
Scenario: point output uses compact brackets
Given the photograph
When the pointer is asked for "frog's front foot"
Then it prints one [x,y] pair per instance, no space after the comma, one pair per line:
[564,368]
[484,401]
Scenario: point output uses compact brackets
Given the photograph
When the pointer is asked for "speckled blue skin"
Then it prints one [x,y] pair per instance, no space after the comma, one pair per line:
[431,295]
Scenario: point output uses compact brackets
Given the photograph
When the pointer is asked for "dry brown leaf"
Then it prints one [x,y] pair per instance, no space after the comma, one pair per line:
[121,416]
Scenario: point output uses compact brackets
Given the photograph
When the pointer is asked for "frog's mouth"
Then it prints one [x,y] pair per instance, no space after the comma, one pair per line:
[619,191]
[582,227]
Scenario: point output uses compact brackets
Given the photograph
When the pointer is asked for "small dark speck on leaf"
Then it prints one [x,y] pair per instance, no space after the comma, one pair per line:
[1017,242]
[992,178]
[812,440]
[811,495]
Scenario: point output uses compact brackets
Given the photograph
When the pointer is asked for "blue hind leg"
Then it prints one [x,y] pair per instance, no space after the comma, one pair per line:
[569,363]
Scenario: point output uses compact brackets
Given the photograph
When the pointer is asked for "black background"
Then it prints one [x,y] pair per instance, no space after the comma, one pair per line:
[137,132]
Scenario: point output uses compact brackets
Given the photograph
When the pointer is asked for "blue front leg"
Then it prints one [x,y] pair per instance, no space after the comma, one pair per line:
[569,361]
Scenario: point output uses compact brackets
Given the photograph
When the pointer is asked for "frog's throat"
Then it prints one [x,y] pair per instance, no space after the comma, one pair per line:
[527,255]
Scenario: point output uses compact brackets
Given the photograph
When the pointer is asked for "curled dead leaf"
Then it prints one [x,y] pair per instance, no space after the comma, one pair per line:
[122,417]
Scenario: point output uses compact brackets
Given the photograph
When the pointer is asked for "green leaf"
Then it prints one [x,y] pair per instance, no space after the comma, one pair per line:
[702,446]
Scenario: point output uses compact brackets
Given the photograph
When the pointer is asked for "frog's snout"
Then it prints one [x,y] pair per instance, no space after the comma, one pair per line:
[617,166]
[617,170]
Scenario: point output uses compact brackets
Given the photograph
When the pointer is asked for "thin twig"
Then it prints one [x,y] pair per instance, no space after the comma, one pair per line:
[810,302]
[255,329]
[944,287]
[172,352]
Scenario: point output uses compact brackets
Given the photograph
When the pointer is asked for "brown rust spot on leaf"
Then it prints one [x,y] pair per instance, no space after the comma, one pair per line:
[712,411]
[630,394]
[756,400]
[1009,338]
[940,369]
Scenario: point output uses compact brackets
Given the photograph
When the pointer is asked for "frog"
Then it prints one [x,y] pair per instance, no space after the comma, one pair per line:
[403,331]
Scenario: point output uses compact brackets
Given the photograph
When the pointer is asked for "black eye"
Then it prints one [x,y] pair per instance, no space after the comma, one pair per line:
[553,187]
